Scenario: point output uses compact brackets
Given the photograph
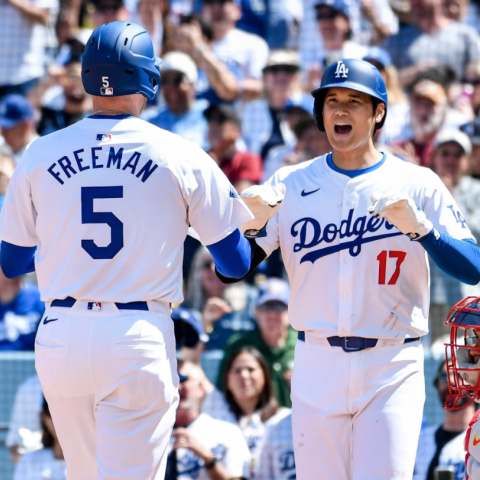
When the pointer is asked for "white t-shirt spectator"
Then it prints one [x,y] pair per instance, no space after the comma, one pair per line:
[224,439]
[25,429]
[22,43]
[247,51]
[41,465]
[277,461]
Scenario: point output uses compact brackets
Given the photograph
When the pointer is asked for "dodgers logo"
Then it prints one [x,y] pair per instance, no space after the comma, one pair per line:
[341,71]
[310,234]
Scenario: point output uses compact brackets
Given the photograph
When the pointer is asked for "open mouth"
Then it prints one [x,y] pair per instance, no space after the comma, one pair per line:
[342,128]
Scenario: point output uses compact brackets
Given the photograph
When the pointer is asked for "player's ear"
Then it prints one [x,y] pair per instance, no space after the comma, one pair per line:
[379,112]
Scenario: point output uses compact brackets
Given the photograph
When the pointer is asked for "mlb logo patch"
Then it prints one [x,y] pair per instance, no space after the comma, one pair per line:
[233,192]
[106,91]
[105,137]
[94,306]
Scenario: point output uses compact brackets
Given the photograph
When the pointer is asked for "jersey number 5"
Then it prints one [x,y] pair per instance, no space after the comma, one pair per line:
[382,268]
[89,216]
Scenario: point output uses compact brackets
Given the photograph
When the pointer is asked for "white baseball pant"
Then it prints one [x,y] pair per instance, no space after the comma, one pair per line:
[357,415]
[110,381]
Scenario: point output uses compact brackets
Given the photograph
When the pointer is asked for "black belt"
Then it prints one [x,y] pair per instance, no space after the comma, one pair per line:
[69,302]
[353,344]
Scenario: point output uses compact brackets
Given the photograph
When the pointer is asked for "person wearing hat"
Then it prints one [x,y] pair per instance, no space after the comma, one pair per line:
[17,124]
[472,129]
[274,339]
[236,47]
[106,11]
[242,168]
[263,121]
[182,113]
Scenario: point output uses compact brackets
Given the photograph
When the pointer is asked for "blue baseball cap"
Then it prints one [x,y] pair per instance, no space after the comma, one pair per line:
[339,5]
[379,55]
[188,328]
[273,290]
[14,109]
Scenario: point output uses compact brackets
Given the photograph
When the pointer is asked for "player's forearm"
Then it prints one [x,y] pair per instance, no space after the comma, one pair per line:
[232,255]
[15,260]
[458,258]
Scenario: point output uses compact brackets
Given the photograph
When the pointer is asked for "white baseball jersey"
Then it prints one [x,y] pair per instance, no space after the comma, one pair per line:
[224,439]
[352,274]
[277,461]
[41,465]
[111,198]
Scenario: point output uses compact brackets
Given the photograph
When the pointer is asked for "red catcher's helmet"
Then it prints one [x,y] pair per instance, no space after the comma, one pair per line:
[463,369]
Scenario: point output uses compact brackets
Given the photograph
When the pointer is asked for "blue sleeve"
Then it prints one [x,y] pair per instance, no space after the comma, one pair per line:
[232,255]
[15,260]
[458,258]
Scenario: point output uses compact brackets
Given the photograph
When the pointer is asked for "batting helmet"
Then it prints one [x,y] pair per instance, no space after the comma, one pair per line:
[354,74]
[119,60]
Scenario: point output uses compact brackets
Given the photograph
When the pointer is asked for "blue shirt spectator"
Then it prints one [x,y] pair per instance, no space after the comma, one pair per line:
[20,313]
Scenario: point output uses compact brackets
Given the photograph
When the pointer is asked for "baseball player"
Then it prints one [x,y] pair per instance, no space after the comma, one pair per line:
[101,210]
[463,367]
[354,231]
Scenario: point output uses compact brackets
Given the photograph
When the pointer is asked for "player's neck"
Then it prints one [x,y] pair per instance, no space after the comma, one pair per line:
[113,106]
[357,158]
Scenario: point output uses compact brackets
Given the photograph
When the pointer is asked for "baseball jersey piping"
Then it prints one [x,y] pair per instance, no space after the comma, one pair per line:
[354,173]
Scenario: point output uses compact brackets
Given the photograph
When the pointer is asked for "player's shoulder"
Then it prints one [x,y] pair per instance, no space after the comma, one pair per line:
[416,173]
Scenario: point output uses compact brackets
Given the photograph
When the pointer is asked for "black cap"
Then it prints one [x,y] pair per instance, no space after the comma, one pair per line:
[472,129]
[222,113]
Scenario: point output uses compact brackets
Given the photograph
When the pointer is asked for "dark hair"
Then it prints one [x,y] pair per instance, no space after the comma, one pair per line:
[48,440]
[206,28]
[444,75]
[304,125]
[267,404]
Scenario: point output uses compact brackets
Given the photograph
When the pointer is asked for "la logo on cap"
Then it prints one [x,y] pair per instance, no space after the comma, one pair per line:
[341,71]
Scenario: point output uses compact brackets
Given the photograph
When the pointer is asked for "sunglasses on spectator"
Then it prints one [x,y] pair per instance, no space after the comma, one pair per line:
[290,69]
[173,80]
[108,8]
[272,307]
[329,14]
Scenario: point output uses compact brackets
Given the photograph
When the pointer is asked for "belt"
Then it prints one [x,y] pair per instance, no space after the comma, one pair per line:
[69,302]
[353,344]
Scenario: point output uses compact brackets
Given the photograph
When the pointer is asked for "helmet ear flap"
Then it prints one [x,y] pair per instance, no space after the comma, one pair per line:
[318,112]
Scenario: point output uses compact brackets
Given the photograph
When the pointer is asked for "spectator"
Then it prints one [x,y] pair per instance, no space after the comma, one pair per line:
[263,122]
[472,78]
[397,125]
[451,161]
[310,144]
[234,46]
[428,113]
[249,400]
[274,339]
[277,460]
[226,309]
[17,124]
[106,11]
[203,448]
[7,167]
[61,99]
[455,10]
[432,39]
[443,445]
[24,430]
[242,168]
[20,312]
[47,462]
[216,82]
[472,129]
[190,336]
[24,40]
[182,113]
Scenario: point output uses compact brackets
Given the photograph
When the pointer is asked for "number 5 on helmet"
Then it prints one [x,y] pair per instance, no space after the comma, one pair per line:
[264,201]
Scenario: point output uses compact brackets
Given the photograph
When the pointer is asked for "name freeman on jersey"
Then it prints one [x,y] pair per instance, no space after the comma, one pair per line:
[115,159]
[310,235]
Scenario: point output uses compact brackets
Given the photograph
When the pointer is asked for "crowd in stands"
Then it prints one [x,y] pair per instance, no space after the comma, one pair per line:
[236,79]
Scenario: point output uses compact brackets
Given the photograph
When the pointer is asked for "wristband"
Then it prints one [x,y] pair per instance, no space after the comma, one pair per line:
[211,463]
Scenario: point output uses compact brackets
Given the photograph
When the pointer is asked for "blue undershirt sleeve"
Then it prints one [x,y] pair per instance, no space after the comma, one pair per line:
[232,255]
[15,260]
[458,258]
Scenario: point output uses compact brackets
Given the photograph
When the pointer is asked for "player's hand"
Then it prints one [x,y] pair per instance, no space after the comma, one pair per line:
[214,310]
[264,201]
[400,210]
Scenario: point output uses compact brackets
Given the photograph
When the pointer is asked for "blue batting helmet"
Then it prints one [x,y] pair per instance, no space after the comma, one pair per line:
[119,60]
[354,74]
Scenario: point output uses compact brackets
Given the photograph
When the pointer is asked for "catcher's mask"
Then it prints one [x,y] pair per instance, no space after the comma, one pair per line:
[463,368]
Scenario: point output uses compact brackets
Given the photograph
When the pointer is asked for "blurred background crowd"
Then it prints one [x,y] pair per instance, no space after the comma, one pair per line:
[236,80]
